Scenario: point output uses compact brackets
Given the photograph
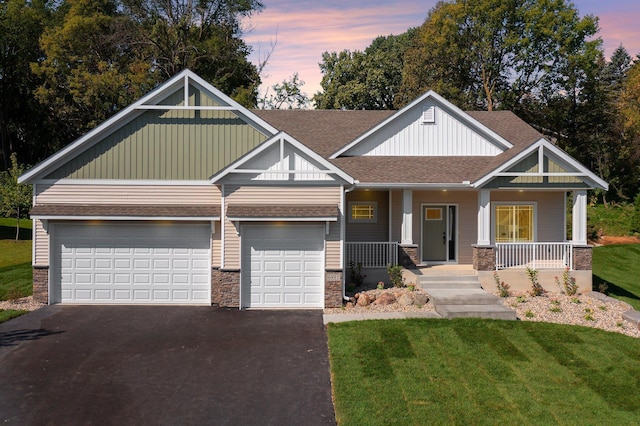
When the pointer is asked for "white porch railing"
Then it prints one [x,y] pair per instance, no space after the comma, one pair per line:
[534,255]
[371,255]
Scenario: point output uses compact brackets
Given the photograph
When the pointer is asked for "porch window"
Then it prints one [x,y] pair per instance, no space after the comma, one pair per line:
[514,223]
[363,211]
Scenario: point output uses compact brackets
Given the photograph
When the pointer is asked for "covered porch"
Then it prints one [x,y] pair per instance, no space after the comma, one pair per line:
[490,230]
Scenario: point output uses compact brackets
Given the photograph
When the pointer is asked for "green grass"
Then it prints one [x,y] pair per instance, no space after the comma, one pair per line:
[16,277]
[618,266]
[482,372]
[612,220]
[7,314]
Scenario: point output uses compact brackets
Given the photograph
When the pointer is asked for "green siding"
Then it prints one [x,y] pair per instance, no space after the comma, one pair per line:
[528,165]
[166,145]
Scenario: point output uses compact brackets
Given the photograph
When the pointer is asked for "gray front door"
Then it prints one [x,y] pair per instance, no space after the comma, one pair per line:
[438,233]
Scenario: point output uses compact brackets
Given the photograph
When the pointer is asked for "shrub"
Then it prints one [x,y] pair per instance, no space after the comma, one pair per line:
[357,278]
[503,288]
[395,275]
[568,283]
[536,288]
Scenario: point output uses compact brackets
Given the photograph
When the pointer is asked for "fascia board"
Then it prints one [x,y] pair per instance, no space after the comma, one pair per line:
[454,110]
[282,219]
[130,218]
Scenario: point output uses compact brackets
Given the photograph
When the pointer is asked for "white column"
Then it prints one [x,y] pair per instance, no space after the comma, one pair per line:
[484,217]
[579,217]
[407,216]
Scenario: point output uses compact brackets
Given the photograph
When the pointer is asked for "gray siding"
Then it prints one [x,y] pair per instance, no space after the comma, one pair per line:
[378,231]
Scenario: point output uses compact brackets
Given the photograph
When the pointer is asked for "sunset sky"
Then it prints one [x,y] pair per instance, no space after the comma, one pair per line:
[302,30]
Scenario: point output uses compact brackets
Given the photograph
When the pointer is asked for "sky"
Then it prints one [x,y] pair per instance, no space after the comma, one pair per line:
[301,30]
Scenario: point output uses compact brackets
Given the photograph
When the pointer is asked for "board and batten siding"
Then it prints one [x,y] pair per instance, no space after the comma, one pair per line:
[167,145]
[408,135]
[281,195]
[127,194]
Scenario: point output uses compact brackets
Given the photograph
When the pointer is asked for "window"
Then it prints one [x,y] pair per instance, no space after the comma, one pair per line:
[514,223]
[363,211]
[433,213]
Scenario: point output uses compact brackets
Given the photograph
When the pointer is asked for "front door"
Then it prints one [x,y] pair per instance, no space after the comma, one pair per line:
[438,233]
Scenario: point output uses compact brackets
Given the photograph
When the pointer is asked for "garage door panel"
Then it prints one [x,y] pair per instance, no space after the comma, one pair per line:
[132,263]
[282,266]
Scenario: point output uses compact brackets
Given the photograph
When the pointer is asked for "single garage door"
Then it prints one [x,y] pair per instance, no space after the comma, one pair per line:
[282,266]
[131,263]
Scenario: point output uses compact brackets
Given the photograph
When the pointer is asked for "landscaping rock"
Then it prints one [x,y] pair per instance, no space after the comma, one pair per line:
[405,299]
[364,300]
[385,299]
[420,299]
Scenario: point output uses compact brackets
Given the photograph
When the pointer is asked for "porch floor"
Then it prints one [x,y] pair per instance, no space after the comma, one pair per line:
[446,269]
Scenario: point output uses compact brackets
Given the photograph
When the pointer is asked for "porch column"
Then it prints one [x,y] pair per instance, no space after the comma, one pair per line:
[484,217]
[407,217]
[579,217]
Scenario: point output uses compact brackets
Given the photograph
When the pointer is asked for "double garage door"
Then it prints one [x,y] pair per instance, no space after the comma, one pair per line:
[131,263]
[282,266]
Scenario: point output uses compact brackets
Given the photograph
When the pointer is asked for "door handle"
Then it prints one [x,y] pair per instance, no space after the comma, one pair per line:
[444,238]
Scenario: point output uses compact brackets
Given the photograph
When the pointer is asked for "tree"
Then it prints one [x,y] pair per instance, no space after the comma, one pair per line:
[201,35]
[21,116]
[15,198]
[364,80]
[287,95]
[92,66]
[491,54]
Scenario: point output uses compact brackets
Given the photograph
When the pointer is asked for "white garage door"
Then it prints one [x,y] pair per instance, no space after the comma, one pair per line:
[132,263]
[282,266]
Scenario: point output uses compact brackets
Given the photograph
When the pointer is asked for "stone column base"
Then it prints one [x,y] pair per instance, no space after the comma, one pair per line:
[333,288]
[225,287]
[484,258]
[408,256]
[41,284]
[582,258]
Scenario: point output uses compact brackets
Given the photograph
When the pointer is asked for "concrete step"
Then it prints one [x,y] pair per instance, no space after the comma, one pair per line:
[449,281]
[476,311]
[462,296]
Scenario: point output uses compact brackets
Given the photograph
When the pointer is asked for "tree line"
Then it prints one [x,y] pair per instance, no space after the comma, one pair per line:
[67,65]
[538,58]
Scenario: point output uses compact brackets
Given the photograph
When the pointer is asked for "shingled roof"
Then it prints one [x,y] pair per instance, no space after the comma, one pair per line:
[326,131]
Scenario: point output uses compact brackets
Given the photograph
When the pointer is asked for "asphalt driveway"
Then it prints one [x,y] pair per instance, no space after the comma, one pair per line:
[164,365]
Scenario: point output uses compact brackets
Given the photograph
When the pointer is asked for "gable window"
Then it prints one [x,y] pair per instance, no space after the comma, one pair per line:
[363,211]
[514,223]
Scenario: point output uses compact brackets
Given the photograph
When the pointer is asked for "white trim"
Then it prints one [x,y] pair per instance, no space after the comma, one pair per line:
[445,105]
[282,219]
[484,217]
[188,108]
[223,224]
[129,218]
[281,138]
[579,217]
[390,196]
[514,203]
[373,204]
[132,111]
[401,185]
[447,226]
[407,217]
[139,182]
[542,143]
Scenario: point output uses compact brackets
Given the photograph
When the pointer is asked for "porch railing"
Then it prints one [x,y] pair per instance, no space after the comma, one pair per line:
[372,255]
[534,255]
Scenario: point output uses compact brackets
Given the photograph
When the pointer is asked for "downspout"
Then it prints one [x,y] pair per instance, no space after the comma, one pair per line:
[342,238]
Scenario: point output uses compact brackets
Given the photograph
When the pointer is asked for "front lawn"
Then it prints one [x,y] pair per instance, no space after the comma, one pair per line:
[618,266]
[470,371]
[16,277]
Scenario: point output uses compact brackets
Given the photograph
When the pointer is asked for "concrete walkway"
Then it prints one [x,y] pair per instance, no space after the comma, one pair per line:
[327,318]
